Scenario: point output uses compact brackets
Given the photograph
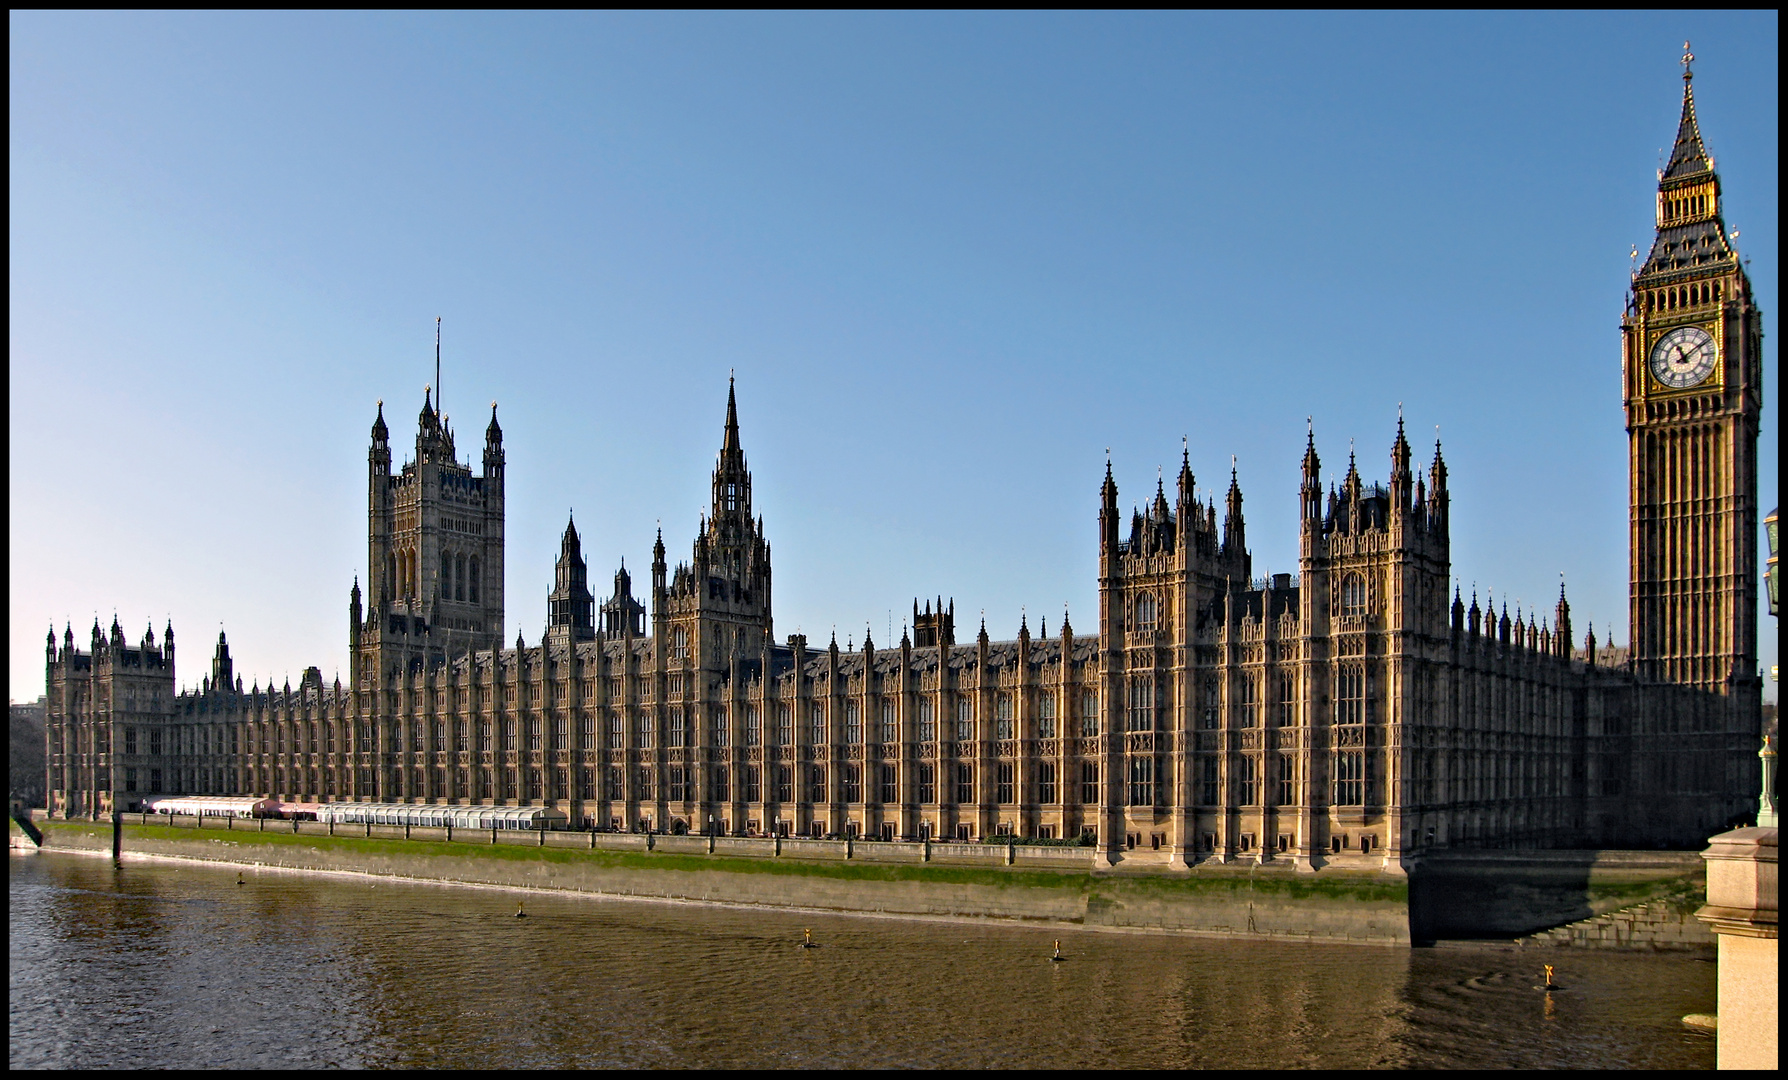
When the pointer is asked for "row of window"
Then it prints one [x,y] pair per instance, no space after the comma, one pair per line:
[1352,782]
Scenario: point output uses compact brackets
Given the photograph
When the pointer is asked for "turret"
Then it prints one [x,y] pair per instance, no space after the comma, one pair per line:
[1401,481]
[569,605]
[1184,501]
[1437,491]
[493,445]
[1235,537]
[1561,622]
[221,670]
[1108,513]
[1310,490]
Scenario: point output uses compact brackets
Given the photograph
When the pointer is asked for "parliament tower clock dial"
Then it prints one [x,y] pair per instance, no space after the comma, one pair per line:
[1684,357]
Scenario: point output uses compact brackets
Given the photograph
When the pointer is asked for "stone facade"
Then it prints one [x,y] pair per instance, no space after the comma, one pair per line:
[1358,713]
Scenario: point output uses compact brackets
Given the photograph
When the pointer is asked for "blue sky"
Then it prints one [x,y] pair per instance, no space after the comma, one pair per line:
[951,258]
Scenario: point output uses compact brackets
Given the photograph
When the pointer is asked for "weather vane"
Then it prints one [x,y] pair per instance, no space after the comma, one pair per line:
[1687,59]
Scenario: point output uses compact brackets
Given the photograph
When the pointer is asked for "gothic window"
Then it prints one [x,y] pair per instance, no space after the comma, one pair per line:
[753,784]
[616,730]
[1004,793]
[1142,781]
[679,644]
[785,784]
[643,785]
[1353,595]
[1089,714]
[1350,776]
[1002,720]
[459,577]
[852,778]
[648,733]
[1288,777]
[1145,613]
[472,581]
[890,727]
[816,719]
[446,582]
[1045,782]
[853,726]
[678,785]
[1213,702]
[1142,704]
[1288,700]
[965,783]
[785,726]
[722,727]
[1210,781]
[927,724]
[722,783]
[677,729]
[965,720]
[732,496]
[1246,780]
[754,728]
[1046,716]
[1089,783]
[1250,705]
[1350,694]
[559,732]
[533,733]
[890,785]
[816,783]
[927,784]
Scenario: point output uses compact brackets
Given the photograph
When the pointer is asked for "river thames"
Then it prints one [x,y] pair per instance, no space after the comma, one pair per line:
[168,965]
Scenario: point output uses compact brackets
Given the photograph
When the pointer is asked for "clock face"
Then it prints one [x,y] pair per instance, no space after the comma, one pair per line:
[1684,357]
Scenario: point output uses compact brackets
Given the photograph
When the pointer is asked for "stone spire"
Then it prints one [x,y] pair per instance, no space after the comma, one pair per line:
[1689,156]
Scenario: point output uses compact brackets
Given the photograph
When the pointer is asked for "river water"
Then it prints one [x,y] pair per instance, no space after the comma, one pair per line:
[165,965]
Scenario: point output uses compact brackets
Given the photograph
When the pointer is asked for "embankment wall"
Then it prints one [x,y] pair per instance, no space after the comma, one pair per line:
[1333,907]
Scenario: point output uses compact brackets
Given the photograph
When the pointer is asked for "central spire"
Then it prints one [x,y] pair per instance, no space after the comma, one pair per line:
[732,480]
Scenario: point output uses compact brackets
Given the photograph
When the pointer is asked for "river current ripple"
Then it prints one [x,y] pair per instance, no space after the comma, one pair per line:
[163,965]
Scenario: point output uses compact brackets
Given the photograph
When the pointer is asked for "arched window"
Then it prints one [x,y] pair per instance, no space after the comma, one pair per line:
[679,644]
[446,582]
[1353,595]
[472,581]
[1145,612]
[1002,717]
[965,720]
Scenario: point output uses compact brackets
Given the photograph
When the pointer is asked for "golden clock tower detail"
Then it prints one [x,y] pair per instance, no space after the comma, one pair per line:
[1692,366]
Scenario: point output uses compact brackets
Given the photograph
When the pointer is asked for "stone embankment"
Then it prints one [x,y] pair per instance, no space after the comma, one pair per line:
[1667,925]
[1031,884]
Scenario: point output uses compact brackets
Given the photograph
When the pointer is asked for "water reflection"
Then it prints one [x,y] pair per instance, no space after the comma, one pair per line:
[158,965]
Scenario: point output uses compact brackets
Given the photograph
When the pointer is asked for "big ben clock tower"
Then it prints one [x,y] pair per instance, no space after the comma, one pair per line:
[1692,366]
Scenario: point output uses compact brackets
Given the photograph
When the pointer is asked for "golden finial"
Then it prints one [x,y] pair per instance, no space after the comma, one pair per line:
[1688,58]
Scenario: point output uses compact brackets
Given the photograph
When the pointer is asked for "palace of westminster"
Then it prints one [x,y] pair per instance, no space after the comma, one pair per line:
[1359,712]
